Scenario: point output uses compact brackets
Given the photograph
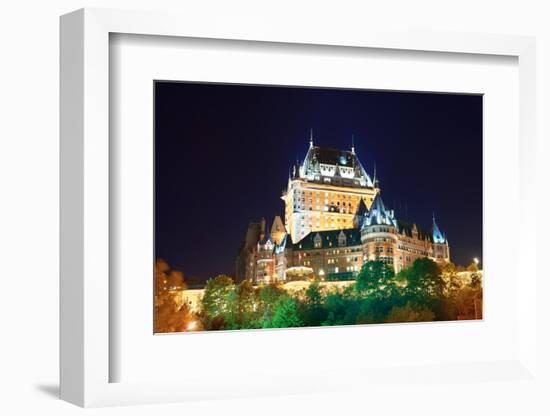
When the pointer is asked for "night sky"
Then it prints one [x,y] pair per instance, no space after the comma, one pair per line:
[223,152]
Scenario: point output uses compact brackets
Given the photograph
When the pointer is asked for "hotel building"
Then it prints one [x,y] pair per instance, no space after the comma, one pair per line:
[334,221]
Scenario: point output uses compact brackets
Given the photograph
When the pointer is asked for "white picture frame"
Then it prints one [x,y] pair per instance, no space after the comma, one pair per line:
[85,210]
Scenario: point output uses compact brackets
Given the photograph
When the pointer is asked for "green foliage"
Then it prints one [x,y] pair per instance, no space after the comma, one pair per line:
[312,310]
[268,297]
[423,292]
[285,314]
[424,283]
[375,278]
[249,310]
[270,294]
[336,305]
[313,294]
[220,303]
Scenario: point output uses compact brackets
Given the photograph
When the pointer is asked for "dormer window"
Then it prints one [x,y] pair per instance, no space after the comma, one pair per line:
[317,241]
[341,239]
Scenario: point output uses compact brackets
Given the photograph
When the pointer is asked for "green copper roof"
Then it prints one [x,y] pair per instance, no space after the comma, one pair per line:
[329,239]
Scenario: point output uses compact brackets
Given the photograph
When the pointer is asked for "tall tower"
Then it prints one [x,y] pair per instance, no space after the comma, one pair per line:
[325,191]
[379,234]
[440,244]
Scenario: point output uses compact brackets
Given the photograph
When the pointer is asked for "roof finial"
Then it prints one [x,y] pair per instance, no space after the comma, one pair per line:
[352,144]
[433,216]
[310,138]
[374,180]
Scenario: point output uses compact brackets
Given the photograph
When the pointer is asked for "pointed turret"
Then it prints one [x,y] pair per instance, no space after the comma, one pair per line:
[414,231]
[277,230]
[379,215]
[360,214]
[437,235]
[266,244]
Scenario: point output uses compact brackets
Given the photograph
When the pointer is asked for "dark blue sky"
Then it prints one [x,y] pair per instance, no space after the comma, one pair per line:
[222,154]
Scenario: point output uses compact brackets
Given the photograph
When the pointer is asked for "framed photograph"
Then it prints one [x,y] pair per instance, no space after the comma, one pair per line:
[291,210]
[334,253]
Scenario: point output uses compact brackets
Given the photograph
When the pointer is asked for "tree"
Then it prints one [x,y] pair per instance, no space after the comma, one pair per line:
[375,278]
[166,279]
[312,310]
[475,280]
[336,306]
[220,303]
[171,315]
[249,312]
[468,303]
[313,294]
[473,267]
[268,296]
[286,314]
[410,313]
[424,281]
[451,279]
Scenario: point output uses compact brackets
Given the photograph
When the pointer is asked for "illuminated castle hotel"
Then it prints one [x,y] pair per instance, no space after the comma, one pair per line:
[335,220]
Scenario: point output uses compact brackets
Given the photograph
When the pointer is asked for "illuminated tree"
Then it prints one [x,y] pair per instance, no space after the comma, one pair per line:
[410,313]
[468,303]
[423,281]
[249,311]
[375,278]
[451,279]
[285,314]
[220,303]
[473,267]
[171,314]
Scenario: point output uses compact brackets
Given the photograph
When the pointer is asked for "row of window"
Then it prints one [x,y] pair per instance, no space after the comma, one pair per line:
[414,250]
[310,194]
[342,210]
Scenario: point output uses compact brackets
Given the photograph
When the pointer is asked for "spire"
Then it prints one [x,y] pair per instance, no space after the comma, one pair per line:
[310,138]
[352,144]
[361,208]
[437,235]
[379,214]
[360,214]
[374,179]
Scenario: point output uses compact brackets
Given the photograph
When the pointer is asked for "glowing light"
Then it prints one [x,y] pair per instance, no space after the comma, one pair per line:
[191,326]
[476,260]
